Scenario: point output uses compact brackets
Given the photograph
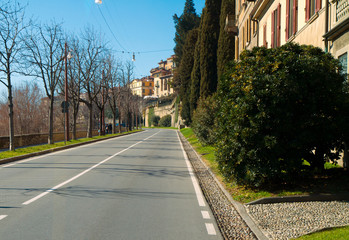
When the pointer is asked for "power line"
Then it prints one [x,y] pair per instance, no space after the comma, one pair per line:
[110,29]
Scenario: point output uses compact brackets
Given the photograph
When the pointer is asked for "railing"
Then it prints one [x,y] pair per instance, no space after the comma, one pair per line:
[342,9]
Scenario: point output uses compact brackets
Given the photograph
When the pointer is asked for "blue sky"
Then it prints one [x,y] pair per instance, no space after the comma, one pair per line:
[138,25]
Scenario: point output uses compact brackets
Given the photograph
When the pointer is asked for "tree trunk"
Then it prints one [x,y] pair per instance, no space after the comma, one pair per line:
[346,157]
[75,116]
[114,123]
[101,122]
[50,124]
[10,107]
[89,126]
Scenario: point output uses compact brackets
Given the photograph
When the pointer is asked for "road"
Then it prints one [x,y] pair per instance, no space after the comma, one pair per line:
[132,187]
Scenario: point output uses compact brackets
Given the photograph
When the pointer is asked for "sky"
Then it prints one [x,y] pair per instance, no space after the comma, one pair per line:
[143,27]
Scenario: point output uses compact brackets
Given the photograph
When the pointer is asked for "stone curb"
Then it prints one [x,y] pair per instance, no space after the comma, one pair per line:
[238,206]
[14,159]
[303,198]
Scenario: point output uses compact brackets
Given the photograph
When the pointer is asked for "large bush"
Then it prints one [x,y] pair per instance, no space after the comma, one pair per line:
[204,120]
[165,121]
[277,108]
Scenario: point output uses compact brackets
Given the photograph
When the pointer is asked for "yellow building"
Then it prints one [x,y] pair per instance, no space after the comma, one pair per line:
[163,75]
[143,87]
[272,23]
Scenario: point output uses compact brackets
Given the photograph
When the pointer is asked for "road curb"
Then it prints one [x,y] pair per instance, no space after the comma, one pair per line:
[238,206]
[18,158]
[302,198]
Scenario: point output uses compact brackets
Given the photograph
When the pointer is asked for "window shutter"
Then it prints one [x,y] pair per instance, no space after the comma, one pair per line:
[318,5]
[265,44]
[307,10]
[287,19]
[278,26]
[272,28]
[295,16]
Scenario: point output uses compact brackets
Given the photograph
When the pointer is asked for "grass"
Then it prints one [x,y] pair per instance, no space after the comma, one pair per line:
[35,149]
[341,233]
[331,182]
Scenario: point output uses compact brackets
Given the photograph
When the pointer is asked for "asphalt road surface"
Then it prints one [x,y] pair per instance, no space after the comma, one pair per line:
[138,186]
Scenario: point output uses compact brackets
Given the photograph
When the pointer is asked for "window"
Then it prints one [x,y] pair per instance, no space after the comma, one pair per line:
[291,17]
[275,27]
[343,59]
[149,84]
[311,7]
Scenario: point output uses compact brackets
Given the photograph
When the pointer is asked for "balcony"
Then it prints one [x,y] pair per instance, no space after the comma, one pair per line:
[342,10]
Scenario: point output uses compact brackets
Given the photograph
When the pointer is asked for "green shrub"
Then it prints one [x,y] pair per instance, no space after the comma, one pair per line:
[278,107]
[204,120]
[155,120]
[165,121]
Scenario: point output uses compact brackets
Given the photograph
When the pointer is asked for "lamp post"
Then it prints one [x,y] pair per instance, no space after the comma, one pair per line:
[66,57]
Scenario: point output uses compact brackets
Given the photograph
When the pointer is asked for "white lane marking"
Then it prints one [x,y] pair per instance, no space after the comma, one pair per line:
[197,188]
[205,215]
[210,229]
[70,149]
[82,173]
[2,217]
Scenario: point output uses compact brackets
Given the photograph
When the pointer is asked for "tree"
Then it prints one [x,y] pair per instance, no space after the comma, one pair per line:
[226,41]
[195,74]
[183,24]
[208,47]
[12,25]
[88,62]
[126,94]
[44,57]
[279,107]
[184,74]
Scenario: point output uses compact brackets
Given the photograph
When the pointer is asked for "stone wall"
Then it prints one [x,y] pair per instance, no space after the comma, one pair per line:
[36,139]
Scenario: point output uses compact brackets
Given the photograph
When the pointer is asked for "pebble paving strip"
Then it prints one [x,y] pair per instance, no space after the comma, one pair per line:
[291,220]
[231,225]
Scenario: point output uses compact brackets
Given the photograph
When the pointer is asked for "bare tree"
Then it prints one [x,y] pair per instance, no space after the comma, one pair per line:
[11,26]
[27,104]
[44,57]
[126,94]
[114,92]
[88,62]
[74,81]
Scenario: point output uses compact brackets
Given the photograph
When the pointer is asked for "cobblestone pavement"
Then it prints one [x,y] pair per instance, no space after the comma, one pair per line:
[277,221]
[291,220]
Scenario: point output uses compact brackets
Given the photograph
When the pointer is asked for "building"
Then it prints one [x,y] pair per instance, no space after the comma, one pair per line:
[163,75]
[337,36]
[272,23]
[143,87]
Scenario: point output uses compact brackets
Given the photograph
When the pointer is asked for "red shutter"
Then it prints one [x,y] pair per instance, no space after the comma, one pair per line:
[287,18]
[307,10]
[278,26]
[272,28]
[295,16]
[318,5]
[265,36]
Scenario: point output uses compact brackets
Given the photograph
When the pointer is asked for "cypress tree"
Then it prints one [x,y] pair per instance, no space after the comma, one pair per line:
[184,73]
[195,74]
[226,42]
[208,47]
[183,24]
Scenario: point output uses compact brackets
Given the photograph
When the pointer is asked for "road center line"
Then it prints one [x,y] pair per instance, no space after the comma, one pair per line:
[66,150]
[197,188]
[205,215]
[82,173]
[2,217]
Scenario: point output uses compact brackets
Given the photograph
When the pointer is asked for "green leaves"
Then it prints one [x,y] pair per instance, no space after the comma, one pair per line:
[278,104]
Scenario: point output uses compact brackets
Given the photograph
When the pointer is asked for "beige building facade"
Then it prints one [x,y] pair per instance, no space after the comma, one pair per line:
[272,23]
[143,87]
[163,75]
